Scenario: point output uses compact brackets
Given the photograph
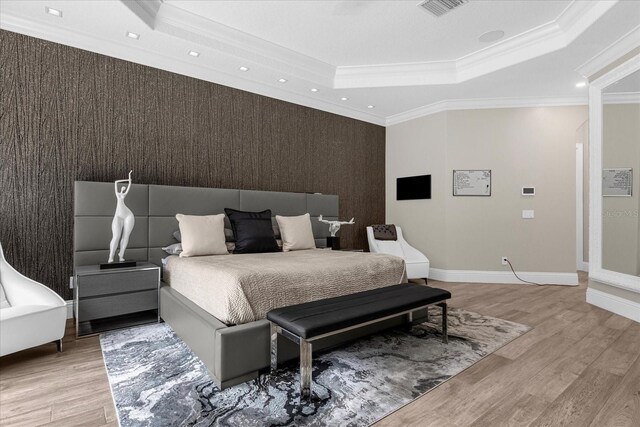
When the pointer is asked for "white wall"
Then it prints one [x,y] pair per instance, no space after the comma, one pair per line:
[522,146]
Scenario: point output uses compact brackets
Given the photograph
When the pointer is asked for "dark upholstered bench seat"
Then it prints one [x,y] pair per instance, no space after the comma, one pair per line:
[315,318]
[304,323]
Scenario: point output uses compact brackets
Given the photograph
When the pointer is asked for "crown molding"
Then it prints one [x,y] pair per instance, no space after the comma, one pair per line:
[580,15]
[145,10]
[547,38]
[482,104]
[129,52]
[621,98]
[393,75]
[611,53]
[246,48]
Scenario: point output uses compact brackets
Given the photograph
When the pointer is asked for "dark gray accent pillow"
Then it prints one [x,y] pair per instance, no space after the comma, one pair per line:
[253,231]
[384,232]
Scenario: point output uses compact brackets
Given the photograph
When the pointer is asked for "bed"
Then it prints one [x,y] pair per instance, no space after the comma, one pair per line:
[218,304]
[238,289]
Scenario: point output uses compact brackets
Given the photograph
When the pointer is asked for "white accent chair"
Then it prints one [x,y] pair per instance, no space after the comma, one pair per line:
[30,313]
[417,264]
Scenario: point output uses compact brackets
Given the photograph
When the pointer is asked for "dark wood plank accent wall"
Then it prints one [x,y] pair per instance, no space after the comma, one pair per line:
[68,114]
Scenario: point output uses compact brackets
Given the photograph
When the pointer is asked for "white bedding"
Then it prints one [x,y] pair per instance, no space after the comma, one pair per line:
[242,288]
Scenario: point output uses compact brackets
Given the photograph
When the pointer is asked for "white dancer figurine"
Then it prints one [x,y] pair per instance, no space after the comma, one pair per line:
[123,221]
[334,226]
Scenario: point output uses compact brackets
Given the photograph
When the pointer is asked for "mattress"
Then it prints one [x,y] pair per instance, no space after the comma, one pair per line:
[241,288]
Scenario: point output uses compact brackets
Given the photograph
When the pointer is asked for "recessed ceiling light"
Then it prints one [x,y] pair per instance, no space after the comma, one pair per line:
[194,53]
[133,35]
[52,11]
[491,36]
[244,69]
[581,84]
[313,89]
[344,98]
[370,106]
[282,80]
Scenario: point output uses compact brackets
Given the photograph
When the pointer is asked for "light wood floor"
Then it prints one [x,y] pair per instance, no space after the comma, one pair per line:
[580,366]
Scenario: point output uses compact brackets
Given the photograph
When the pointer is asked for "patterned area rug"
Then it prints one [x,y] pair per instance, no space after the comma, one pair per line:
[157,381]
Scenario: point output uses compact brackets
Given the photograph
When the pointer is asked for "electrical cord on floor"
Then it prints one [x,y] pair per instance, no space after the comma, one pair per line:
[518,277]
[526,281]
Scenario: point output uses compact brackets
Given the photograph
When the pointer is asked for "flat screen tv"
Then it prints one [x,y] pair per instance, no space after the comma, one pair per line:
[413,187]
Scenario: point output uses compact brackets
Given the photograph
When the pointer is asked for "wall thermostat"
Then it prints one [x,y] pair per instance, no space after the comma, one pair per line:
[528,191]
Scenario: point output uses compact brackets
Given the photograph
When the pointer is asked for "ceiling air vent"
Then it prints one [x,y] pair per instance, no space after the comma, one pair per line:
[440,7]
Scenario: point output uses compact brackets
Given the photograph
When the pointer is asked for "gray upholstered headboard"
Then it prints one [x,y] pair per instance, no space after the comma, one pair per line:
[155,207]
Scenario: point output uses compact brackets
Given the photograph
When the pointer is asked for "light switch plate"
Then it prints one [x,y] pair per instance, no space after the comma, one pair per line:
[528,214]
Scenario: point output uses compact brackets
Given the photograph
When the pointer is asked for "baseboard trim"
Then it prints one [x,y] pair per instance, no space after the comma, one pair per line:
[583,266]
[503,277]
[69,309]
[614,304]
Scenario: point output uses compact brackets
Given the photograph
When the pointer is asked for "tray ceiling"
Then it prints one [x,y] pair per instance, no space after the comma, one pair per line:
[351,33]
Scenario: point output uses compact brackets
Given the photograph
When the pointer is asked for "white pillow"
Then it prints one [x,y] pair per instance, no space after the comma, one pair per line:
[296,232]
[202,235]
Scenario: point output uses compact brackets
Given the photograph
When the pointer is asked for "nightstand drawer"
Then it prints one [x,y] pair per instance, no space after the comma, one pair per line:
[116,305]
[114,283]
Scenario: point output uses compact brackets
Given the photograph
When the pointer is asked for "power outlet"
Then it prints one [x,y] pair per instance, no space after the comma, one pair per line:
[504,260]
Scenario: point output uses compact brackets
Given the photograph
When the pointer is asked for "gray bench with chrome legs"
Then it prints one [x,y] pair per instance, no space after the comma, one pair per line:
[308,322]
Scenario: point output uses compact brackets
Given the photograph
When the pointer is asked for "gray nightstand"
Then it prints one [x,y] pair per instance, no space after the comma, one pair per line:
[115,298]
